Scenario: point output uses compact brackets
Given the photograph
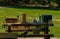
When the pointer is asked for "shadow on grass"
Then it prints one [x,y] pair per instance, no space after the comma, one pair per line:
[35,7]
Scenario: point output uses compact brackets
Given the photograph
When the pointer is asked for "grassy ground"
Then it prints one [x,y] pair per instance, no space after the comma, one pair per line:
[31,13]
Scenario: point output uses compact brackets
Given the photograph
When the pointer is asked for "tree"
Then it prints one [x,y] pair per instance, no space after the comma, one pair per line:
[27,1]
[39,1]
[58,2]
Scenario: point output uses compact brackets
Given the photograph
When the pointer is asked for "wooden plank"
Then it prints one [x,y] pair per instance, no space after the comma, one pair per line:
[36,35]
[8,35]
[28,24]
[17,30]
[24,30]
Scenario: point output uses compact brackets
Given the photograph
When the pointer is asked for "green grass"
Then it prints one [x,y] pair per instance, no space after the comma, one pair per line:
[31,13]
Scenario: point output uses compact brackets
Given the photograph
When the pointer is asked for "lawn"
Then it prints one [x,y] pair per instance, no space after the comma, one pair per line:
[31,13]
